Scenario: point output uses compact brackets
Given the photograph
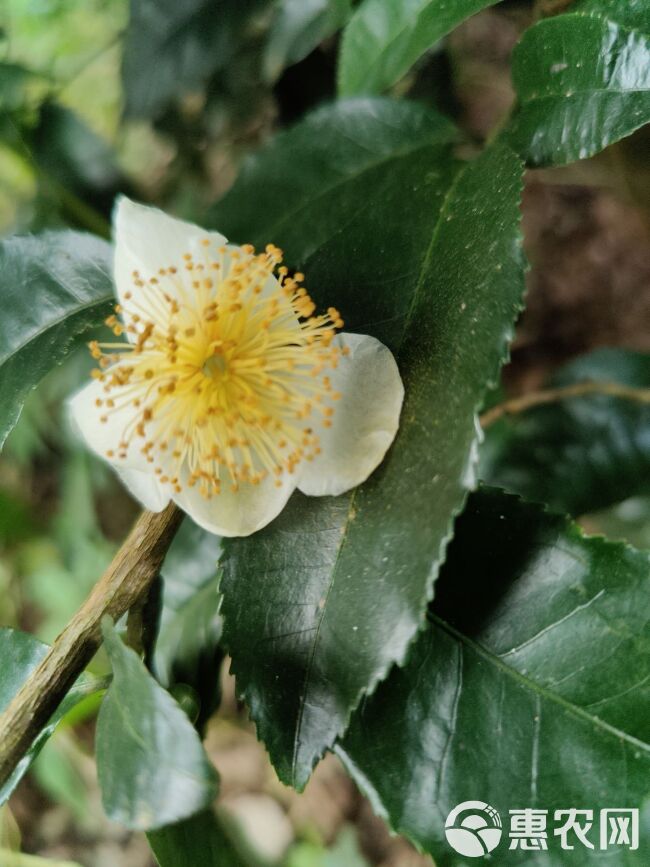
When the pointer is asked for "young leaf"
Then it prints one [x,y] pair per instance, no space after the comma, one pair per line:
[521,691]
[152,767]
[321,603]
[197,842]
[187,648]
[54,287]
[19,654]
[385,37]
[582,453]
[173,47]
[582,80]
[298,28]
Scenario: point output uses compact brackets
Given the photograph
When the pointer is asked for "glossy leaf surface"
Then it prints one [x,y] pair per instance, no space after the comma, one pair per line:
[53,287]
[521,691]
[152,767]
[309,601]
[582,81]
[630,13]
[297,189]
[19,654]
[580,454]
[385,38]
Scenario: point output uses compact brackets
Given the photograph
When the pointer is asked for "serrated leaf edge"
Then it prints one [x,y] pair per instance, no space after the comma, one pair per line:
[470,473]
[573,529]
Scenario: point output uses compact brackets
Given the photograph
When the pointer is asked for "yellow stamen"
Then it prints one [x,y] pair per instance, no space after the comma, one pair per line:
[222,372]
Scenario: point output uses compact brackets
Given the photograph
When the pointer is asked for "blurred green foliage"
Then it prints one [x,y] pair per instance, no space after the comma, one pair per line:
[344,853]
[52,49]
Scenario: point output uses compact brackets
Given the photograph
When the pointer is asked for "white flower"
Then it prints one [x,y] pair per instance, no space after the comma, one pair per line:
[230,392]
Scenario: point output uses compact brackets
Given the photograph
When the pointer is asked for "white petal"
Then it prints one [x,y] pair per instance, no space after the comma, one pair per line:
[365,420]
[104,437]
[144,487]
[147,239]
[237,514]
[134,471]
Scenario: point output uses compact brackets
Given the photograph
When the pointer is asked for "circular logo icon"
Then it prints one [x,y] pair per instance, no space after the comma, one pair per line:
[473,828]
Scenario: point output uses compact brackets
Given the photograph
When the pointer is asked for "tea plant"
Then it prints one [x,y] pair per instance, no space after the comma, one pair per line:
[440,624]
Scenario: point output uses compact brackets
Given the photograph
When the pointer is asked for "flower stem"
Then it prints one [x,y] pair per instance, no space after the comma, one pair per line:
[125,582]
[554,395]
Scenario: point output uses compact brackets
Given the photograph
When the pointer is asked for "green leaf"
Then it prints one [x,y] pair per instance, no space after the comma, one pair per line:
[629,13]
[57,773]
[196,842]
[309,602]
[19,654]
[152,767]
[15,82]
[521,692]
[16,519]
[172,48]
[187,648]
[580,454]
[54,287]
[385,37]
[582,81]
[298,28]
[71,155]
[295,189]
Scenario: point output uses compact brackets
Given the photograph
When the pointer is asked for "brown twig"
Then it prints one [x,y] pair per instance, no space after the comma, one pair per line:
[125,582]
[548,8]
[553,395]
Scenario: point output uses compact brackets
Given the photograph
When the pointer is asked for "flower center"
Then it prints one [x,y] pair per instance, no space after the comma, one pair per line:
[215,367]
[224,378]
